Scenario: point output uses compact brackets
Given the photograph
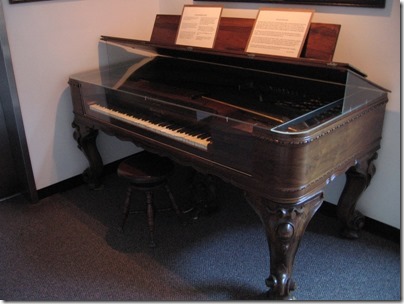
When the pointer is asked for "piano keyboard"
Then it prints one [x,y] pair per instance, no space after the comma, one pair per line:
[179,134]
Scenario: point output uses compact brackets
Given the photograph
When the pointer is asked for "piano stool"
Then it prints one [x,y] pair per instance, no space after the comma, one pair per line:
[146,172]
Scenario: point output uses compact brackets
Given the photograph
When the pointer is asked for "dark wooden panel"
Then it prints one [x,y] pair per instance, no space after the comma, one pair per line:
[321,41]
[165,29]
[233,34]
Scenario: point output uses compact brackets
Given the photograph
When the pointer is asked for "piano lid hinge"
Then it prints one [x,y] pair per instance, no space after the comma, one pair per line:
[332,64]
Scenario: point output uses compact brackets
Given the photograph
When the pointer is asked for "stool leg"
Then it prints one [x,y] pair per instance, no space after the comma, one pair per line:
[174,204]
[126,207]
[150,217]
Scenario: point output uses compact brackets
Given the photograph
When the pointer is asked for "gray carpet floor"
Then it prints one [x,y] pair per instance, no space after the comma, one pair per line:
[67,248]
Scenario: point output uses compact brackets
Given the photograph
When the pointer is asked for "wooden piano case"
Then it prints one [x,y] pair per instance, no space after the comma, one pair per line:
[282,161]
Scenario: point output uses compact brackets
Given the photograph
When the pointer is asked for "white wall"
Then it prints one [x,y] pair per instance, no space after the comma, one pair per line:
[50,40]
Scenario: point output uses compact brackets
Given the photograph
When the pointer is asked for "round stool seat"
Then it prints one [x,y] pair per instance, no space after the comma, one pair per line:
[146,172]
[145,169]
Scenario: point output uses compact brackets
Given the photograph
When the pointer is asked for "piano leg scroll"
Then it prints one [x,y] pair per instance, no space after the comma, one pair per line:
[357,180]
[284,225]
[86,139]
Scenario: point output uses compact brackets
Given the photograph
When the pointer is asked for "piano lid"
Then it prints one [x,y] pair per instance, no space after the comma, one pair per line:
[282,97]
[306,67]
[229,49]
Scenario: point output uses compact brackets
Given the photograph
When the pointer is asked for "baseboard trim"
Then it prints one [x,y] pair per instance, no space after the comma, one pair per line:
[375,227]
[73,182]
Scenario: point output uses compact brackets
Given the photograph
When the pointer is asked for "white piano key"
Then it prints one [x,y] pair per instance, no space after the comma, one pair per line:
[180,134]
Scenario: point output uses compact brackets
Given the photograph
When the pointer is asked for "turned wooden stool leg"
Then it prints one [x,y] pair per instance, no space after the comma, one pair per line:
[126,207]
[172,199]
[147,172]
[150,217]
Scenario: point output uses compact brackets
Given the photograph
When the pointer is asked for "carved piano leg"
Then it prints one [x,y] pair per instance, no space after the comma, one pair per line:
[357,180]
[284,225]
[86,139]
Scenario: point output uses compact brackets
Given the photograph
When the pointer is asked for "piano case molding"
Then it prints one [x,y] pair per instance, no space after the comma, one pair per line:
[233,35]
